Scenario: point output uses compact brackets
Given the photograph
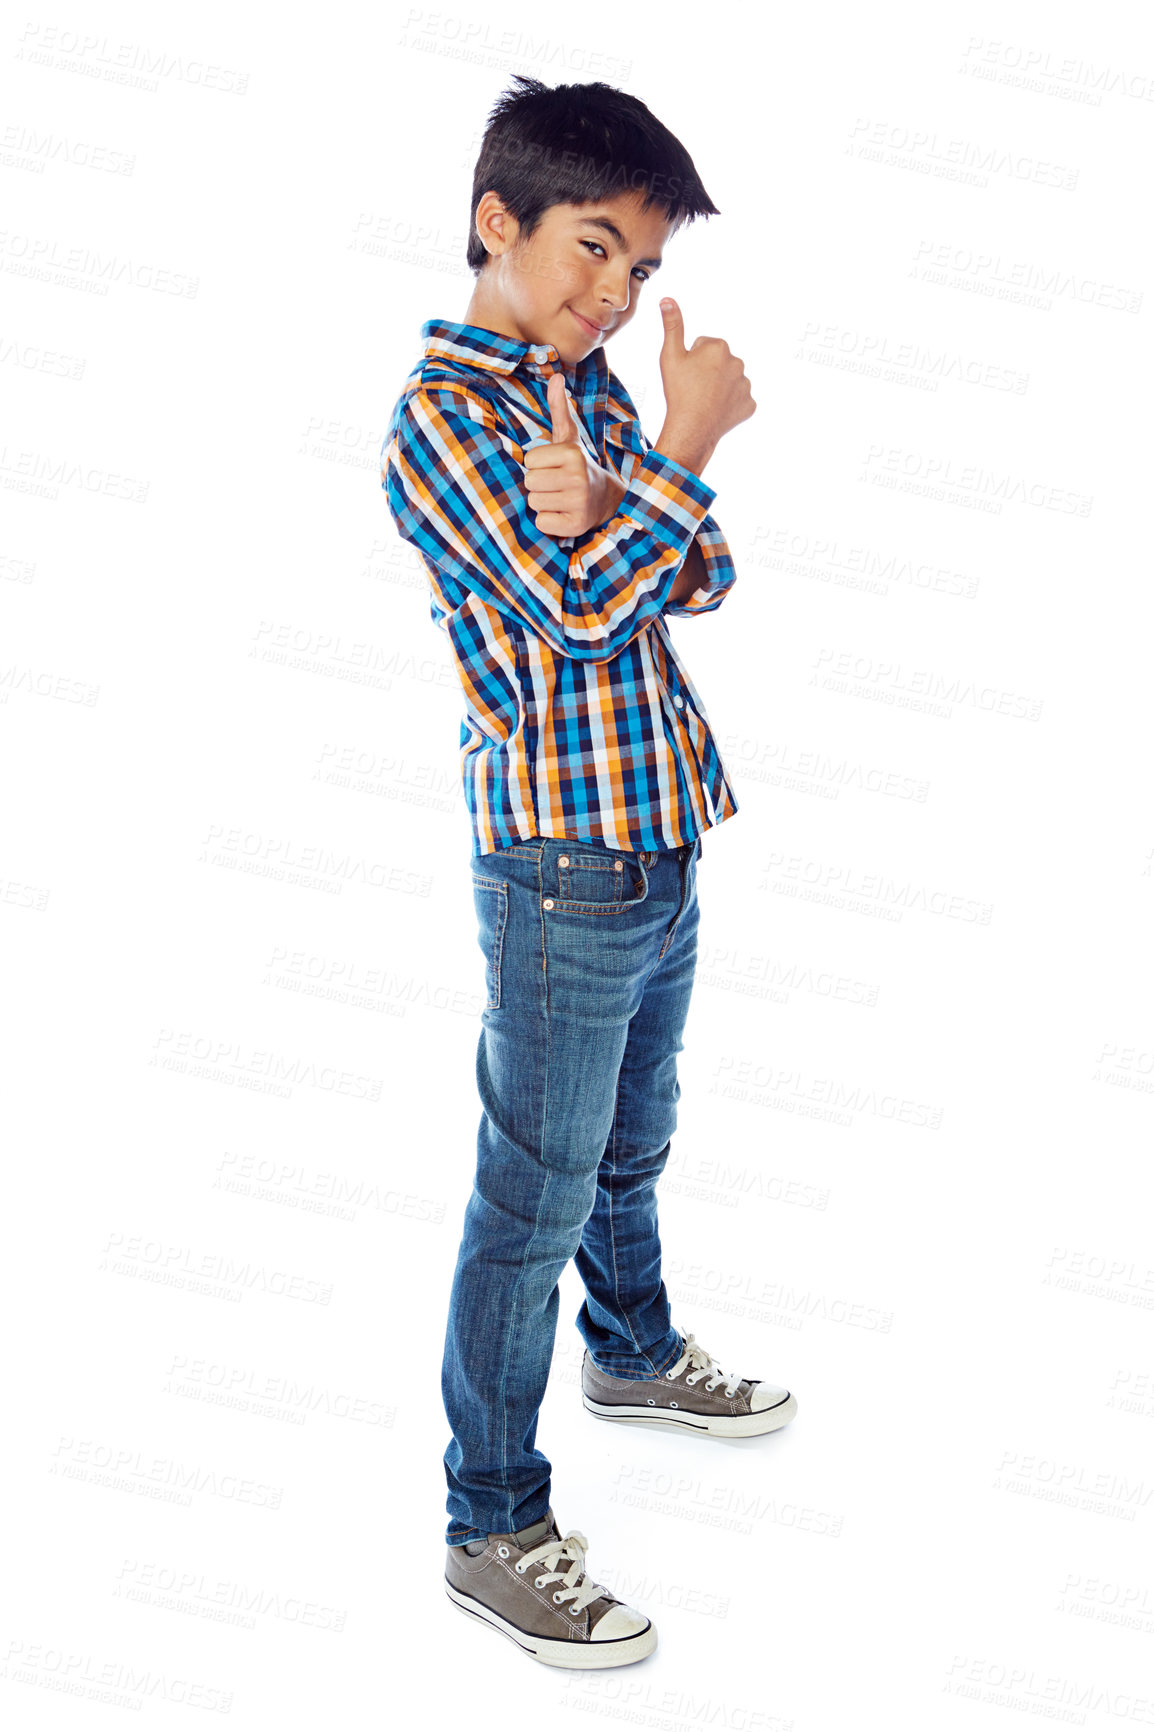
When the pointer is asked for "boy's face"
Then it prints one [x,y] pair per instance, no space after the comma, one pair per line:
[576,281]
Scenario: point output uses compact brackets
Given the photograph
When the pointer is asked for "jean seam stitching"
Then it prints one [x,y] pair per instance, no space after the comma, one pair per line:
[683,875]
[621,1310]
[646,870]
[674,1356]
[515,1299]
[514,1303]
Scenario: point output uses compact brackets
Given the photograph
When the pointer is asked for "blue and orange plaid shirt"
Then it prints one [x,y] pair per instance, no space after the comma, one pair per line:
[580,719]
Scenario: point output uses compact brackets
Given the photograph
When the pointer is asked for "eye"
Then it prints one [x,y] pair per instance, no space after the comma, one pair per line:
[638,272]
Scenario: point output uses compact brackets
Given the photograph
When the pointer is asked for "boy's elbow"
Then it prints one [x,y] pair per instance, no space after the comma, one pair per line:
[602,646]
[691,607]
[599,650]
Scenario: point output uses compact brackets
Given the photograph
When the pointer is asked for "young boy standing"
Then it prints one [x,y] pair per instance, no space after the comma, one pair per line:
[556,539]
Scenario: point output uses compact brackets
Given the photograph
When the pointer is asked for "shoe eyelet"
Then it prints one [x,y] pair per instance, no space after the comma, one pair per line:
[520,1568]
[540,1581]
[671,1375]
[673,1404]
[557,1598]
[649,1401]
[502,1551]
[711,1387]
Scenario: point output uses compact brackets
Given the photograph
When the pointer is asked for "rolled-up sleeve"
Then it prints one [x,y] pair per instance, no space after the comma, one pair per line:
[628,448]
[455,483]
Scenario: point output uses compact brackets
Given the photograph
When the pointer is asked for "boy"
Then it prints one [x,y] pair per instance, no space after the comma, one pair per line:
[555,539]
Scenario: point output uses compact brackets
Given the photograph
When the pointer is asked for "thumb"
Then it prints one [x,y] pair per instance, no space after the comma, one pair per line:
[674,327]
[563,427]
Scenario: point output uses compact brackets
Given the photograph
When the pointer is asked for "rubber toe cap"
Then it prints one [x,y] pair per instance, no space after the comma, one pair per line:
[767,1395]
[618,1623]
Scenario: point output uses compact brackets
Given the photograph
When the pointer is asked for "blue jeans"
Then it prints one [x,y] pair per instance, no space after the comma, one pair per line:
[590,954]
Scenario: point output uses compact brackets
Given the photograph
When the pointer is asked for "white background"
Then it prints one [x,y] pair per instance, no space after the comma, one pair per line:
[240,961]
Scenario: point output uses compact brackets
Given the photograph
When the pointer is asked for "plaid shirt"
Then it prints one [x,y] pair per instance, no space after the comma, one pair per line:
[581,720]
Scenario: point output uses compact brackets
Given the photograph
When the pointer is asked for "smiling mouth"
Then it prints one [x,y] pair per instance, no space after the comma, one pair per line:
[588,325]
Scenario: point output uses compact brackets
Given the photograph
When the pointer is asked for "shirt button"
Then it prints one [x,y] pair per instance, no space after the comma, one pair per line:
[540,354]
[680,702]
[548,902]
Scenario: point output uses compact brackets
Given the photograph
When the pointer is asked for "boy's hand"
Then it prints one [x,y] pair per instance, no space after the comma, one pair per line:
[568,492]
[706,392]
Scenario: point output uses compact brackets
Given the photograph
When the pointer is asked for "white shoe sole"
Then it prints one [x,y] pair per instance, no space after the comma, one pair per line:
[575,1656]
[715,1424]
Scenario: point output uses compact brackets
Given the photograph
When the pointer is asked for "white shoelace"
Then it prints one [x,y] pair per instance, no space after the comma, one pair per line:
[550,1553]
[703,1366]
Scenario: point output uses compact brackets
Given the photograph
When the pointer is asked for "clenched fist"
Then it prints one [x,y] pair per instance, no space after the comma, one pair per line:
[706,390]
[568,493]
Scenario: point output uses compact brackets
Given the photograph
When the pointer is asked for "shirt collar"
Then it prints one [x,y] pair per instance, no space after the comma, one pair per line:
[473,346]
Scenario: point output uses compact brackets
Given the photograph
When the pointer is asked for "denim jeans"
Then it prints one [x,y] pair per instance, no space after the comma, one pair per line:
[590,953]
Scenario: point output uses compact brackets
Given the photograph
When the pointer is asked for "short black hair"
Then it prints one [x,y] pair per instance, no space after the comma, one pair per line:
[572,144]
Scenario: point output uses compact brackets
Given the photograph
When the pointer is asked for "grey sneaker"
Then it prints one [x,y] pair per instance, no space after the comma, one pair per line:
[720,1406]
[532,1587]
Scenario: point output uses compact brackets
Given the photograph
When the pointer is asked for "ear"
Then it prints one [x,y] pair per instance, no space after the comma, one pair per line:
[496,227]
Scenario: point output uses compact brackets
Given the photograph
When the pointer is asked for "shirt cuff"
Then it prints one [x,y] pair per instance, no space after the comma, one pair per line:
[720,573]
[666,498]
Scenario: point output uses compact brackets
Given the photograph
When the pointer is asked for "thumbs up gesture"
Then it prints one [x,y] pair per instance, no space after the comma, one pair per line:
[706,391]
[567,492]
[564,427]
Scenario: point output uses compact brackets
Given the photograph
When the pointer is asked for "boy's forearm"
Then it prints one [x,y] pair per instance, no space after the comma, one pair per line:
[692,451]
[693,572]
[685,445]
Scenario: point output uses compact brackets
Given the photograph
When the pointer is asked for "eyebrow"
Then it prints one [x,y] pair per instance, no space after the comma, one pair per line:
[611,229]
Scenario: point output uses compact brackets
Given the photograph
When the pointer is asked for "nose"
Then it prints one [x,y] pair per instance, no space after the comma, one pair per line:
[613,292]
